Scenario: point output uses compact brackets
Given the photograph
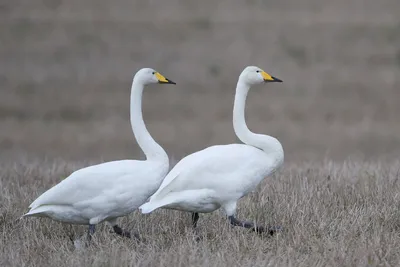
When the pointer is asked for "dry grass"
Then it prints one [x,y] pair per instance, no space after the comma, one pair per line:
[334,215]
[65,74]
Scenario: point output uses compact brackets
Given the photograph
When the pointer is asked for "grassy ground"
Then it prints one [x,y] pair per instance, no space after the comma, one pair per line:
[334,215]
[65,74]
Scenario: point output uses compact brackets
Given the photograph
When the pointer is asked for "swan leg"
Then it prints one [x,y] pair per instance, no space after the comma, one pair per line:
[256,228]
[195,219]
[91,230]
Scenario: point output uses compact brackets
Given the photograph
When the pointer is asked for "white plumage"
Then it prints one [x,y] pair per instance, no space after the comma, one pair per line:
[110,190]
[100,192]
[220,175]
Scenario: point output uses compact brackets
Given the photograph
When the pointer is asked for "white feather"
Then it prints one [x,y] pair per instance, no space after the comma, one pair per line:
[109,190]
[219,175]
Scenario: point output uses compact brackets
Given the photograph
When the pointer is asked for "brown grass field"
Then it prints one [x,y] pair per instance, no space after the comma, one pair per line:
[334,215]
[65,74]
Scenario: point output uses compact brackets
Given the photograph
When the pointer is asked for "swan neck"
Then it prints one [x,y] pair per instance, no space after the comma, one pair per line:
[150,147]
[239,121]
[266,143]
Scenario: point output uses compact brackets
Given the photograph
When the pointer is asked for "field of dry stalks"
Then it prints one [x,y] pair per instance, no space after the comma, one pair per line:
[333,214]
[65,74]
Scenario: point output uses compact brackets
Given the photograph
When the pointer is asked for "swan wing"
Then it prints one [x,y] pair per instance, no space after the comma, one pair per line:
[227,167]
[92,182]
[189,161]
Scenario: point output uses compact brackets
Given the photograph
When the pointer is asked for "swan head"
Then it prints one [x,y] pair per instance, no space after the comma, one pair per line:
[253,75]
[147,76]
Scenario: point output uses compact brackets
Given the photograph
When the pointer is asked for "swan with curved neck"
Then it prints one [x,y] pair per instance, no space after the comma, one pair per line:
[219,176]
[264,142]
[113,189]
[149,146]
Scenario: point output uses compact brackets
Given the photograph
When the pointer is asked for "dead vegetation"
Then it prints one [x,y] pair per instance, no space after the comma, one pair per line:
[65,75]
[334,214]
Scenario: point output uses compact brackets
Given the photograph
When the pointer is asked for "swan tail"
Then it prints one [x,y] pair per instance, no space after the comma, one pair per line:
[41,211]
[33,212]
[148,207]
[156,203]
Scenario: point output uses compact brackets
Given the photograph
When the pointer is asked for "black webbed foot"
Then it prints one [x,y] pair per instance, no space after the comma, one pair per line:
[119,231]
[255,228]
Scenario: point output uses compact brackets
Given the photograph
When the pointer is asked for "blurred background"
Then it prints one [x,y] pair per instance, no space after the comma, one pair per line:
[66,69]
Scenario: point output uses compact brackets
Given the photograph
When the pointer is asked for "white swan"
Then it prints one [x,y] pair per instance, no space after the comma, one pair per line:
[220,175]
[110,190]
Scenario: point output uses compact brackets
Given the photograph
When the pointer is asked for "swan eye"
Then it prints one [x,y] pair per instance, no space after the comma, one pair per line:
[154,72]
[257,71]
